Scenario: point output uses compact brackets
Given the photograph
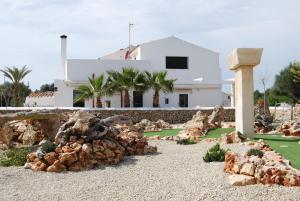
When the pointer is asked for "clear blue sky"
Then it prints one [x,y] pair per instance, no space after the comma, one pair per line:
[29,30]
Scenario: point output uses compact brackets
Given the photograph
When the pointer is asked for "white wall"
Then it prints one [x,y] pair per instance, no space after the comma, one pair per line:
[46,101]
[81,69]
[151,56]
[63,97]
[201,62]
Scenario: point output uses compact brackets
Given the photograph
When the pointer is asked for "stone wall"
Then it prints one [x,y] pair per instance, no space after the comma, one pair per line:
[168,115]
[284,114]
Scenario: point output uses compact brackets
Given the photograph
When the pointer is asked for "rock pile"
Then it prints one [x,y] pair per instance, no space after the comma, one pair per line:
[263,120]
[269,169]
[201,122]
[84,142]
[233,137]
[148,125]
[25,132]
[291,128]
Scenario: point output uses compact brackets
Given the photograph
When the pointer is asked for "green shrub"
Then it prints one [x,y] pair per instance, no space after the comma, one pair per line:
[215,153]
[49,147]
[186,141]
[14,157]
[255,152]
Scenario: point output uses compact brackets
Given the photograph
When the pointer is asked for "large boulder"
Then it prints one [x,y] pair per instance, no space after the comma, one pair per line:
[30,136]
[217,117]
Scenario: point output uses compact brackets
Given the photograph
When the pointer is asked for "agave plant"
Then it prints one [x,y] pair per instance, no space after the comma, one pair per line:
[16,75]
[94,90]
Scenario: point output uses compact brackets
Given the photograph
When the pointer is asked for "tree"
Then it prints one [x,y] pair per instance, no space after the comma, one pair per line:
[285,86]
[16,76]
[158,82]
[295,69]
[124,81]
[257,95]
[94,90]
[7,98]
[47,87]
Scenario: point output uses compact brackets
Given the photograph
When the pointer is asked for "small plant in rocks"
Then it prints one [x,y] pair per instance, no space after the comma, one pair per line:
[14,157]
[255,152]
[215,153]
[186,141]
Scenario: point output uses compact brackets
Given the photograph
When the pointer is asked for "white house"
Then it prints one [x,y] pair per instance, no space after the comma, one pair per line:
[41,99]
[196,69]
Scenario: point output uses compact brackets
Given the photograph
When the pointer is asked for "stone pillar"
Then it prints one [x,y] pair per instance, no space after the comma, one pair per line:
[242,61]
[232,96]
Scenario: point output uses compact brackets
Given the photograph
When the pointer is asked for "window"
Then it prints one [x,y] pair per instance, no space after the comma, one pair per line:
[137,99]
[183,100]
[166,101]
[78,103]
[176,62]
[107,104]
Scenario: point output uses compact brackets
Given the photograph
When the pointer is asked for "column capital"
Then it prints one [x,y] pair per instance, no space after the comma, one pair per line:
[244,57]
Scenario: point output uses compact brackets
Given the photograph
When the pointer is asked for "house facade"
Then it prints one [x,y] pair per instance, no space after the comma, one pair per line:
[196,70]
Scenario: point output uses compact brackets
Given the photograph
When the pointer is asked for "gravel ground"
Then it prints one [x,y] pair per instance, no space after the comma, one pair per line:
[177,172]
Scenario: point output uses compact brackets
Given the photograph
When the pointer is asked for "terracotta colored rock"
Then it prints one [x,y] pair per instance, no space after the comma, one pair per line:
[56,167]
[98,146]
[51,157]
[230,158]
[31,157]
[76,146]
[39,166]
[67,149]
[286,132]
[77,166]
[68,158]
[109,153]
[295,132]
[241,180]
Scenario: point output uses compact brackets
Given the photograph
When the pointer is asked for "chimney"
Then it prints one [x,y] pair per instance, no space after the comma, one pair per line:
[64,56]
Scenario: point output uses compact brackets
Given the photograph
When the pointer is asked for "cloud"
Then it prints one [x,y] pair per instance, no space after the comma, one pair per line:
[29,31]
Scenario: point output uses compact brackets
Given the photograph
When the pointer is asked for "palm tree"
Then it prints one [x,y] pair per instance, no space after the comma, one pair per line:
[124,81]
[16,76]
[158,82]
[94,90]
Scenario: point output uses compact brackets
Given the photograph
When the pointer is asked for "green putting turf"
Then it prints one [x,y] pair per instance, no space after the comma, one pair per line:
[217,133]
[289,148]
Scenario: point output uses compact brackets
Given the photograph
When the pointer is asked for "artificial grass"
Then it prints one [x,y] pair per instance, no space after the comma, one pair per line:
[163,133]
[217,133]
[289,148]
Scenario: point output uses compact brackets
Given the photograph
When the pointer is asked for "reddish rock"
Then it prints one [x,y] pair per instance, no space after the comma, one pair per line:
[39,166]
[241,180]
[77,166]
[229,161]
[68,158]
[51,157]
[76,146]
[56,167]
[31,157]
[295,132]
[67,149]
